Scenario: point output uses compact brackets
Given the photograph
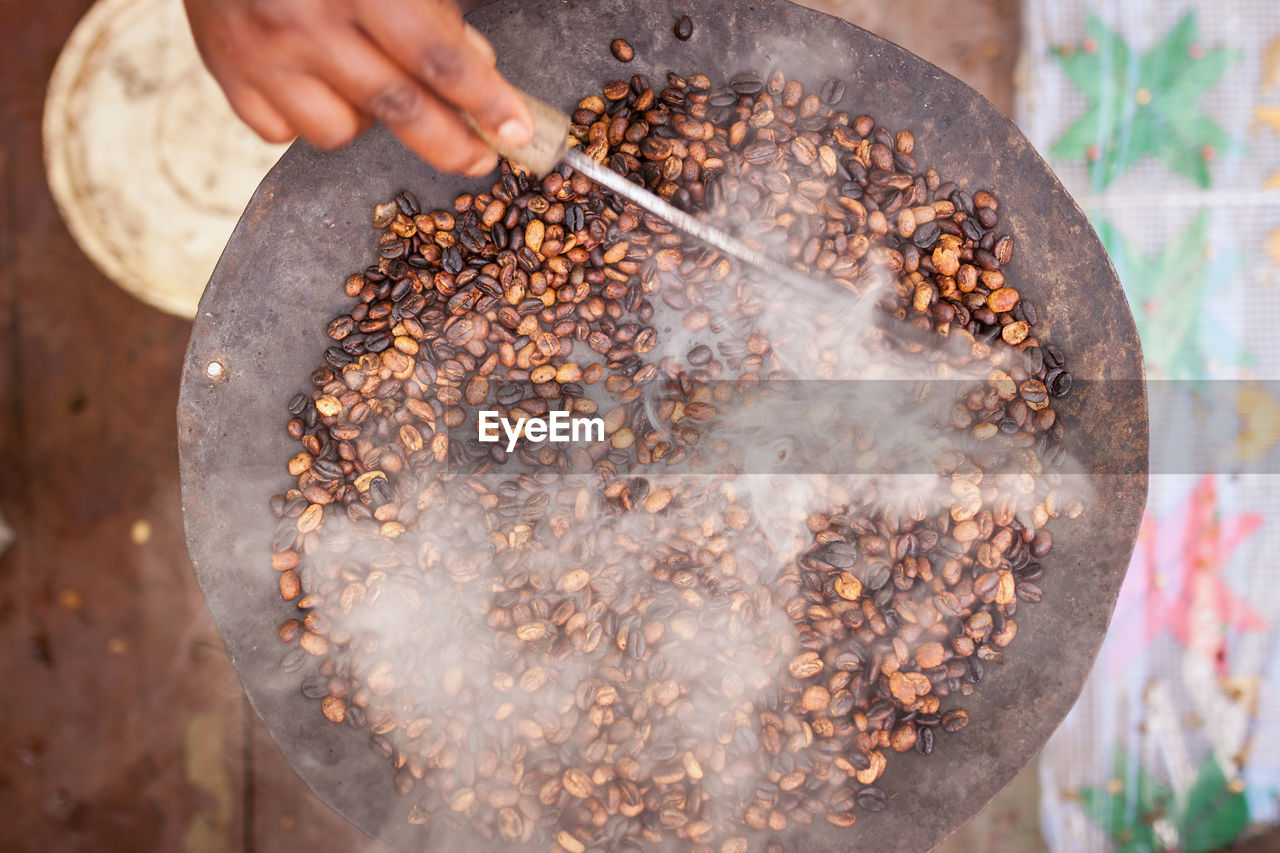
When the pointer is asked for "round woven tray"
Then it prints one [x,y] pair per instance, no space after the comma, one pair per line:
[147,163]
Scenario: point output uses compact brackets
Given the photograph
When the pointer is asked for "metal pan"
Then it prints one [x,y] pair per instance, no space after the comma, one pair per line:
[262,322]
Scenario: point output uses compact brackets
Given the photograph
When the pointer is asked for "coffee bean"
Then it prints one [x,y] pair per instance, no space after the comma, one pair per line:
[622,50]
[747,83]
[1058,382]
[293,659]
[1029,592]
[924,740]
[315,686]
[872,799]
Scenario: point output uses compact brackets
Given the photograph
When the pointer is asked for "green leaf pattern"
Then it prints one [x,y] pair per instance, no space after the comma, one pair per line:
[1144,106]
[1212,815]
[1169,293]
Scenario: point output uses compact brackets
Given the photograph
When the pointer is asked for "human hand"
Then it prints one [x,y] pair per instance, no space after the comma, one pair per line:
[326,69]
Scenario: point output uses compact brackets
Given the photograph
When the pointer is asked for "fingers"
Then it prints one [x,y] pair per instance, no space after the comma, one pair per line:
[413,64]
[433,45]
[257,112]
[480,44]
[321,116]
[363,74]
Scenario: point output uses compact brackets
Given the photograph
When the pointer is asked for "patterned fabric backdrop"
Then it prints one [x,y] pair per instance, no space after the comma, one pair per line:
[1162,117]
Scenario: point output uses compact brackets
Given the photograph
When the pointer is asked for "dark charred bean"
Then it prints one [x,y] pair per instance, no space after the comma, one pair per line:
[1029,312]
[452,260]
[293,660]
[1058,381]
[315,687]
[926,235]
[1052,355]
[878,574]
[924,740]
[408,203]
[833,91]
[872,799]
[748,83]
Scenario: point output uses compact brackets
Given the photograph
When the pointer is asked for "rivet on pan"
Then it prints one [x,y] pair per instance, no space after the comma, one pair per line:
[215,370]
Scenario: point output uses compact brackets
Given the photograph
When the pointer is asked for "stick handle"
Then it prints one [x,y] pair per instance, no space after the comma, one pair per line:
[550,138]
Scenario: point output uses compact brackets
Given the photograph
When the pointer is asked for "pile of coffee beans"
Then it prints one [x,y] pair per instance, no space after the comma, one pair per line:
[599,644]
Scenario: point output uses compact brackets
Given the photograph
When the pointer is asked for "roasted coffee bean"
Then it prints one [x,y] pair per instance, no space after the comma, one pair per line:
[293,659]
[872,799]
[878,575]
[684,28]
[622,50]
[1004,250]
[924,740]
[955,720]
[407,202]
[833,91]
[1029,592]
[315,686]
[700,355]
[1058,381]
[747,83]
[926,235]
[451,260]
[839,555]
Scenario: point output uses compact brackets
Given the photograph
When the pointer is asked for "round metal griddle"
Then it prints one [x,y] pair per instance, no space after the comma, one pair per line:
[263,316]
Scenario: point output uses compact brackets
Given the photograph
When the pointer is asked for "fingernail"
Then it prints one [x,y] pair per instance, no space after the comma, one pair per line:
[480,43]
[515,132]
